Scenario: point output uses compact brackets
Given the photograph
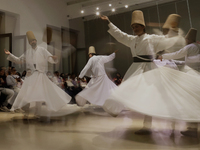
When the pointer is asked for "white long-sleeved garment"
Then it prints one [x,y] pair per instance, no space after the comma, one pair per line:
[179,44]
[95,66]
[190,52]
[141,45]
[39,56]
[11,81]
[179,41]
[37,87]
[100,86]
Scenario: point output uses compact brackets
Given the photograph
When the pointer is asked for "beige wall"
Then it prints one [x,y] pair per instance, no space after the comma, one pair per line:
[35,15]
[24,15]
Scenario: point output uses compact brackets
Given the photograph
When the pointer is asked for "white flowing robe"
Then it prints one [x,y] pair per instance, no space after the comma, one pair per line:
[141,45]
[160,92]
[179,41]
[179,44]
[100,86]
[37,87]
[191,53]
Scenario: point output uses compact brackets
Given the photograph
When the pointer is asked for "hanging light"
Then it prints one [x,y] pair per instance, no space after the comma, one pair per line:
[113,10]
[110,5]
[97,13]
[126,6]
[97,8]
[82,11]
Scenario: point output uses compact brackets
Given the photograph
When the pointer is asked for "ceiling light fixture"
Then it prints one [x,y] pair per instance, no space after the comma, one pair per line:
[97,8]
[113,10]
[82,11]
[97,13]
[110,5]
[126,6]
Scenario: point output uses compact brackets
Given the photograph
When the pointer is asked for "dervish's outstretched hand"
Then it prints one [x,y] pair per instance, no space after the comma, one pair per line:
[116,51]
[54,57]
[105,18]
[7,52]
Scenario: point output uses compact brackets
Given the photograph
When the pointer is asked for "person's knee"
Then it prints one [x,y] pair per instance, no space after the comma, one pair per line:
[9,92]
[12,92]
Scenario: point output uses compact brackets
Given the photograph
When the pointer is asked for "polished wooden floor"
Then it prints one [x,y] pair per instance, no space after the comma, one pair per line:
[90,129]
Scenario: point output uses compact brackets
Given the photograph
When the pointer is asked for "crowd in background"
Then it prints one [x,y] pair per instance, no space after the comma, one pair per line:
[11,82]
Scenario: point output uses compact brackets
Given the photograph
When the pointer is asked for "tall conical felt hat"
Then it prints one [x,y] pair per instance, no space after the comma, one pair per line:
[30,36]
[191,35]
[172,22]
[137,17]
[91,50]
[49,34]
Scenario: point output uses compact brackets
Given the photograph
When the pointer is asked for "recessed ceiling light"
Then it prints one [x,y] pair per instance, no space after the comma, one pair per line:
[97,13]
[82,11]
[110,5]
[126,6]
[113,10]
[97,8]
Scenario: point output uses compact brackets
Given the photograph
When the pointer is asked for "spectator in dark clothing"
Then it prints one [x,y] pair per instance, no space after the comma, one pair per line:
[5,91]
[118,79]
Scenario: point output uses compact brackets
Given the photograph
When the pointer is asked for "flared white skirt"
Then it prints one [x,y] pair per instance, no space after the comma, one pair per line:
[97,91]
[161,92]
[38,91]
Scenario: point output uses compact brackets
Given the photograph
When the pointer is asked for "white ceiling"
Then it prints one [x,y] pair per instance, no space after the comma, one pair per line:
[74,7]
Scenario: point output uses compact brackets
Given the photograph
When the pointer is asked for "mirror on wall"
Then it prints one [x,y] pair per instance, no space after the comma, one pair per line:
[5,43]
[19,44]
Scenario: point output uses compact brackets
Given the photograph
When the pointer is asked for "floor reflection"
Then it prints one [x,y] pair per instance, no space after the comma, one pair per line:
[90,129]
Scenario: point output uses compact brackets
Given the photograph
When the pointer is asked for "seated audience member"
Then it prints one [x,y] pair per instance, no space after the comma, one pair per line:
[83,82]
[72,86]
[5,103]
[14,72]
[63,76]
[12,83]
[58,80]
[76,88]
[23,74]
[49,75]
[19,79]
[118,79]
[11,80]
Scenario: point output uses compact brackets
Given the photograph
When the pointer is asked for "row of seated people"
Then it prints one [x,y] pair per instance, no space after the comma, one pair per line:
[10,84]
[70,83]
